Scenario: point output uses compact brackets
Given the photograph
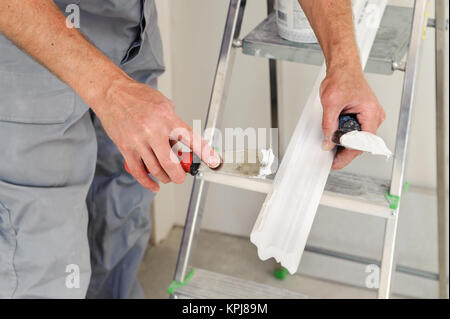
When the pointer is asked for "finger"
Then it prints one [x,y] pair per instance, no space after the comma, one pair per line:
[369,122]
[137,169]
[169,162]
[176,147]
[330,123]
[344,157]
[204,151]
[153,165]
[369,117]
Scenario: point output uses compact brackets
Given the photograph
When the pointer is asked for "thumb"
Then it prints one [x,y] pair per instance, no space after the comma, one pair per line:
[330,117]
[330,122]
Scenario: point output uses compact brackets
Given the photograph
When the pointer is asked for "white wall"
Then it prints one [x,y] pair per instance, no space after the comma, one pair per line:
[192,33]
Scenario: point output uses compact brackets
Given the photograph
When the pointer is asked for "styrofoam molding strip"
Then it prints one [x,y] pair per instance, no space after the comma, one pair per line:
[285,220]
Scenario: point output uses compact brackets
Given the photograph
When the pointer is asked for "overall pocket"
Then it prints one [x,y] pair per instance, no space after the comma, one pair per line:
[35,98]
[135,48]
[29,93]
[8,278]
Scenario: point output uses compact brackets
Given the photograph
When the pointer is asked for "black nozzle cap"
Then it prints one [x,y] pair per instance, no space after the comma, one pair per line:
[347,123]
[195,165]
[194,169]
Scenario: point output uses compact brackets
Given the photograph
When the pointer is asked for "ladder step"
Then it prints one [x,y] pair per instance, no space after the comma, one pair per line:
[347,191]
[357,193]
[390,44]
[210,285]
[260,185]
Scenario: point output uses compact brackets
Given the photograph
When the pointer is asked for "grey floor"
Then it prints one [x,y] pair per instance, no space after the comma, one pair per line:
[233,256]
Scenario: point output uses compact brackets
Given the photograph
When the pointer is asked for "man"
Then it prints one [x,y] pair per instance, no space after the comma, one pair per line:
[73,223]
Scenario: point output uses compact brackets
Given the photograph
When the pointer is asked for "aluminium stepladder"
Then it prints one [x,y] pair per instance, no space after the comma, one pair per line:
[372,202]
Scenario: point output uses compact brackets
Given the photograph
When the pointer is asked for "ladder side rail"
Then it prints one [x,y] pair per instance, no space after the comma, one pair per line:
[412,66]
[217,101]
[224,68]
[274,101]
[441,9]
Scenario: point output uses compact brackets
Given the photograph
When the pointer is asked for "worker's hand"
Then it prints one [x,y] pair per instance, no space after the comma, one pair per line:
[345,90]
[141,122]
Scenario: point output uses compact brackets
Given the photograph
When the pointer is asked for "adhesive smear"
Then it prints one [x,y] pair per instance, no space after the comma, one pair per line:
[268,162]
[365,141]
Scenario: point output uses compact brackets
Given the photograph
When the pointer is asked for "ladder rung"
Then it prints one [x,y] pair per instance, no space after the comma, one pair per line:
[210,285]
[390,44]
[357,193]
[351,192]
[259,185]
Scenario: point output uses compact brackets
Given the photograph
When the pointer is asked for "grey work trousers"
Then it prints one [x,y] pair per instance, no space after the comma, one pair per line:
[73,222]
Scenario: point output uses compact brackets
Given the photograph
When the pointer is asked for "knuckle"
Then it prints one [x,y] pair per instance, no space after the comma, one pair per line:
[383,115]
[140,176]
[132,140]
[155,169]
[324,85]
[170,104]
[330,97]
[124,148]
[160,175]
[179,130]
[165,107]
[125,145]
[326,125]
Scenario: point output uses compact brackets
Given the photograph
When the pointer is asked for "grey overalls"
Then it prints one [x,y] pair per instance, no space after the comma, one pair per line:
[68,210]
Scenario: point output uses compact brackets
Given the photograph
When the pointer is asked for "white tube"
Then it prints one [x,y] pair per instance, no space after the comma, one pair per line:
[293,25]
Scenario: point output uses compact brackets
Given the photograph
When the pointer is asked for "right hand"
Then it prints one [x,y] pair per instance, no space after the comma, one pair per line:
[141,122]
[346,91]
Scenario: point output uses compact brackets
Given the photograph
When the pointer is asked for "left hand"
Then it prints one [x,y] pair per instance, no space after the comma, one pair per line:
[345,90]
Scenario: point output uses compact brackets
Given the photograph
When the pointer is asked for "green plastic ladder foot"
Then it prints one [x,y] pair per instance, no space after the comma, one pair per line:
[394,200]
[280,273]
[174,285]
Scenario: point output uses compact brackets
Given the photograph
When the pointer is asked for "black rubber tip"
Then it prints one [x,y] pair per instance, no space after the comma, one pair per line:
[194,169]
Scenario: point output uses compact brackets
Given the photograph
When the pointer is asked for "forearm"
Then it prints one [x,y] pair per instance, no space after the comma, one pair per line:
[344,89]
[332,21]
[138,119]
[39,28]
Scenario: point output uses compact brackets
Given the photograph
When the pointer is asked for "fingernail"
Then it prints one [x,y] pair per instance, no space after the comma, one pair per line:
[326,144]
[214,161]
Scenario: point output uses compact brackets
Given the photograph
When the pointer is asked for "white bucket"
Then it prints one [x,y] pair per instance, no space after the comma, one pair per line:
[293,25]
